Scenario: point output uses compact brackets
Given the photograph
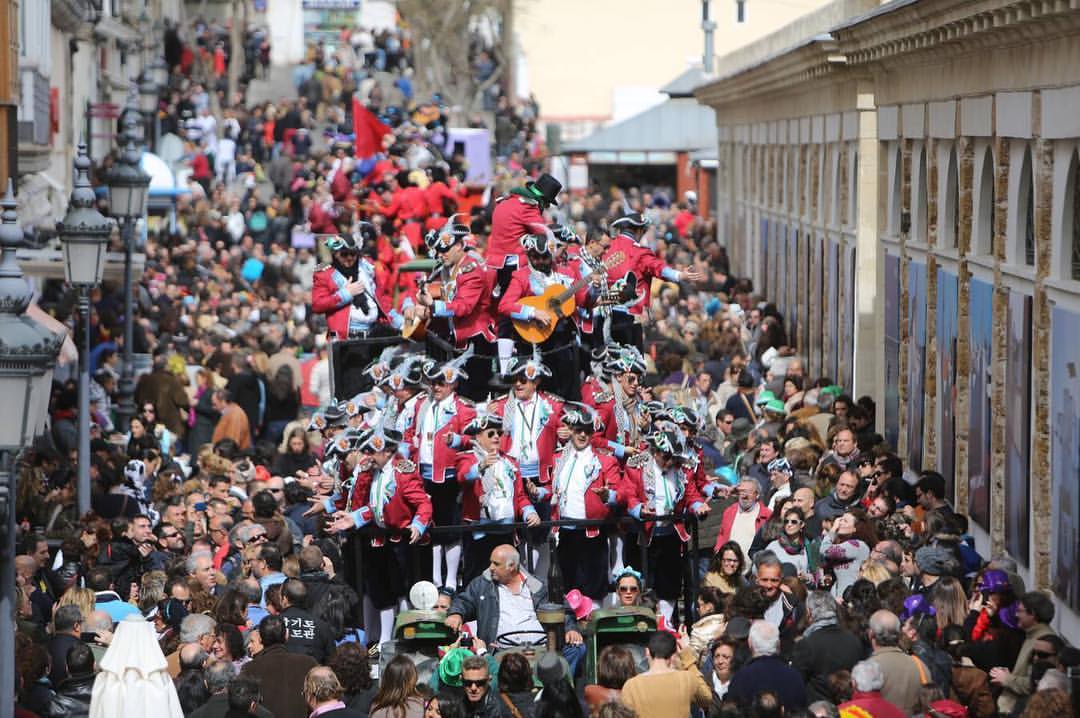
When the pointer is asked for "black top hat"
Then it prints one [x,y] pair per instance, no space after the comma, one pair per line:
[631,219]
[546,188]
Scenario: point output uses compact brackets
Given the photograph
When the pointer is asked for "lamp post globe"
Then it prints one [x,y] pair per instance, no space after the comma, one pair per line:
[84,232]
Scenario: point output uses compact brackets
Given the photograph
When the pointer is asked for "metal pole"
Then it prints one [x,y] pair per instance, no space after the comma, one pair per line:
[708,26]
[7,586]
[125,406]
[84,403]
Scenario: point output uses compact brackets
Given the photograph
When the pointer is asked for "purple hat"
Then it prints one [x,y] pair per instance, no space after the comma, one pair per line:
[1008,615]
[994,581]
[916,604]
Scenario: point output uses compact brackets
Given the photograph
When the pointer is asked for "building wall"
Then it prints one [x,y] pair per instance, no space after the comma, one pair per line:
[908,192]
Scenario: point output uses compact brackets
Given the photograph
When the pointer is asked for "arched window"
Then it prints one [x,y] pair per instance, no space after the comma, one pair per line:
[1026,209]
[949,226]
[984,238]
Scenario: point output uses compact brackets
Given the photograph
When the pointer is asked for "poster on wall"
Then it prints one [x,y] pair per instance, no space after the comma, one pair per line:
[947,314]
[849,319]
[979,383]
[764,288]
[1018,427]
[1065,454]
[892,350]
[916,365]
[832,273]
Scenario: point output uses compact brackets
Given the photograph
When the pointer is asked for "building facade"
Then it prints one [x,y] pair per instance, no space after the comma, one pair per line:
[905,185]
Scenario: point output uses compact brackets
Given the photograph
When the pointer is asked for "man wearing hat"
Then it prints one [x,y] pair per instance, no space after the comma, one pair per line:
[598,381]
[584,486]
[404,384]
[531,421]
[619,410]
[517,214]
[780,481]
[345,291]
[654,484]
[493,492]
[468,305]
[639,267]
[532,280]
[436,427]
[389,495]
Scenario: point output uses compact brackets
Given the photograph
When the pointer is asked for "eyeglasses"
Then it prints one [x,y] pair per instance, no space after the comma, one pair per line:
[469,683]
[631,378]
[1043,654]
[792,522]
[628,589]
[257,538]
[730,561]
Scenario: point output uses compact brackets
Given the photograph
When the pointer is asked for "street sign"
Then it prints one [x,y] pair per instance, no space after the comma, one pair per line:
[104,110]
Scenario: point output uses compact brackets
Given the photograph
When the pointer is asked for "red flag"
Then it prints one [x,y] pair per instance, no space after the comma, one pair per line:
[368,129]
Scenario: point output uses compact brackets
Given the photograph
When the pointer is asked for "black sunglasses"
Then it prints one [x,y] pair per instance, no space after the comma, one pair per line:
[469,683]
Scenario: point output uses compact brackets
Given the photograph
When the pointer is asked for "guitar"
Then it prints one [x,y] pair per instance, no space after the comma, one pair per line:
[416,328]
[558,300]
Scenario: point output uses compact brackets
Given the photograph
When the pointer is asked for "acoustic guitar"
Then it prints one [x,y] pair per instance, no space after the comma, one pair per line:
[558,300]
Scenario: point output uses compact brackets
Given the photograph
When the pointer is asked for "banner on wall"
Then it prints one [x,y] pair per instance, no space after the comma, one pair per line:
[1065,453]
[1018,427]
[916,365]
[948,311]
[892,350]
[979,383]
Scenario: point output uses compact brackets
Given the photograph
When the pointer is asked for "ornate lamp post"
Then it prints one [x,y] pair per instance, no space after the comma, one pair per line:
[148,106]
[27,357]
[84,233]
[127,203]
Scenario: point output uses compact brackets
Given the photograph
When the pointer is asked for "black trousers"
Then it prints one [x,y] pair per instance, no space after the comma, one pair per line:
[624,330]
[388,571]
[446,509]
[666,567]
[583,562]
[560,354]
[480,368]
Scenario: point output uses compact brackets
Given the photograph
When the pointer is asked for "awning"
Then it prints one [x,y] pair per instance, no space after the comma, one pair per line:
[653,136]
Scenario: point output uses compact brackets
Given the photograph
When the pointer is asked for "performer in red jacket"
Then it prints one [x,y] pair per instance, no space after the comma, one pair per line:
[532,280]
[638,269]
[619,408]
[468,303]
[389,495]
[585,485]
[531,425]
[492,492]
[436,427]
[654,485]
[346,292]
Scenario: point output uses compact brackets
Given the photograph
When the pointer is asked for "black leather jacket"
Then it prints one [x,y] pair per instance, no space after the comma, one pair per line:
[72,697]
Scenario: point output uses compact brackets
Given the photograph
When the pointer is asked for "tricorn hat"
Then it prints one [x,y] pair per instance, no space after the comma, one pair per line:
[581,416]
[450,372]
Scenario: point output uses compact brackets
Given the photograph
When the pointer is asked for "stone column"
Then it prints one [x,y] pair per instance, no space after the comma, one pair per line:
[965,153]
[869,341]
[1001,349]
[1041,497]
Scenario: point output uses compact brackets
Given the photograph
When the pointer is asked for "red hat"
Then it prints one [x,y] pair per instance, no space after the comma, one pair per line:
[262,473]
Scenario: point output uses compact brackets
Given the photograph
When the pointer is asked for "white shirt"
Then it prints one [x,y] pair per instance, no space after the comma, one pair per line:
[744,527]
[573,481]
[430,422]
[525,428]
[516,613]
[782,493]
[774,614]
[719,688]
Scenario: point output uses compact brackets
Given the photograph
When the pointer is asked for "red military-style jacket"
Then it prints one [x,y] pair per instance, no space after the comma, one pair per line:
[321,221]
[606,474]
[409,505]
[549,414]
[468,300]
[454,422]
[641,262]
[513,218]
[611,438]
[329,297]
[437,196]
[473,490]
[634,493]
[522,285]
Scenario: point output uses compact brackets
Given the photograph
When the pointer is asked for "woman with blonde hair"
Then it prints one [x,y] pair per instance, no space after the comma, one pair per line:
[84,598]
[874,571]
[152,591]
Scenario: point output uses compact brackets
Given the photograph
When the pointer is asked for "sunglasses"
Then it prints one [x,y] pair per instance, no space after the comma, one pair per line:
[492,433]
[628,589]
[469,683]
[792,522]
[1043,654]
[257,538]
[346,253]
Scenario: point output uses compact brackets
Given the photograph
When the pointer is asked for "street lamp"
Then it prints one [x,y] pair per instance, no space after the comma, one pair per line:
[27,357]
[159,72]
[148,106]
[84,233]
[127,203]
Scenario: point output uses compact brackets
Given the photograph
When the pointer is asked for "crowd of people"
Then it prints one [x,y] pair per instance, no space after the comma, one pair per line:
[649,443]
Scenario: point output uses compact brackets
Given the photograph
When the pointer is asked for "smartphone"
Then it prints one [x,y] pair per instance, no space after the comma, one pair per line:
[466,641]
[200,506]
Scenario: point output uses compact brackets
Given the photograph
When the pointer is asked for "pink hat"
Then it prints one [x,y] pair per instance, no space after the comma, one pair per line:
[582,604]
